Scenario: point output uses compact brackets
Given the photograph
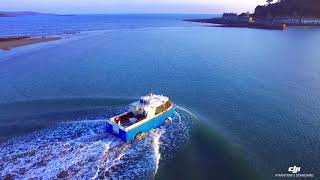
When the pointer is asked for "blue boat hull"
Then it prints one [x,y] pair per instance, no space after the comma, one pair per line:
[144,128]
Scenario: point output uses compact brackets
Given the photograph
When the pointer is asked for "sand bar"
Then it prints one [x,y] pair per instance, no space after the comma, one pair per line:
[7,43]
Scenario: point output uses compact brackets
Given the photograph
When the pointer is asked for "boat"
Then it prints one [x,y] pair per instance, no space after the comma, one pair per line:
[149,112]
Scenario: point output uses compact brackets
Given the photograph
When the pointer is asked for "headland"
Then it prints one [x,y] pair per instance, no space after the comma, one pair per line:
[278,15]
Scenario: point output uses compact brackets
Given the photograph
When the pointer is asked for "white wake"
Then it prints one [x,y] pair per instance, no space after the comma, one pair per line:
[82,150]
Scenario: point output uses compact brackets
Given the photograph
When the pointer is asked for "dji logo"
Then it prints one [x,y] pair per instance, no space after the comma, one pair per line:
[294,169]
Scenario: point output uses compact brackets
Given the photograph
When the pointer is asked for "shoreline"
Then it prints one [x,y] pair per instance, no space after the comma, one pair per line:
[241,24]
[8,43]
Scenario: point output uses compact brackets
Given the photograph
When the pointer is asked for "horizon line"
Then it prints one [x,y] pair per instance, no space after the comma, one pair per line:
[114,13]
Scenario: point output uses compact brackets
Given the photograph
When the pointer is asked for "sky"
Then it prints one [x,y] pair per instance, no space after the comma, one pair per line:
[130,6]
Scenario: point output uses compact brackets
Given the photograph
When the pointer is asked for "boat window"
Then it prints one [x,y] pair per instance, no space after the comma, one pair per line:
[168,104]
[160,109]
[143,101]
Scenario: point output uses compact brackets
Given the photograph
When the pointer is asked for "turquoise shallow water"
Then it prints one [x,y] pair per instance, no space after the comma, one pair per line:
[255,94]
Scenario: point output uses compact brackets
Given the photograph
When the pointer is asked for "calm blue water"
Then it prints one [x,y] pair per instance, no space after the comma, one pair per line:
[53,25]
[255,94]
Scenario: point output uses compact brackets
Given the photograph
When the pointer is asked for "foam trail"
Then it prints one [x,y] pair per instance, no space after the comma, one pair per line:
[116,160]
[181,108]
[106,148]
[156,148]
[179,116]
[81,149]
[85,121]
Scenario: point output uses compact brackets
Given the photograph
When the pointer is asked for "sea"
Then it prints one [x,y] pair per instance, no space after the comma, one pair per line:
[248,100]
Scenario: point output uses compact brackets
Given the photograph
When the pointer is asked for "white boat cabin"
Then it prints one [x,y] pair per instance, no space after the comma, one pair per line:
[146,108]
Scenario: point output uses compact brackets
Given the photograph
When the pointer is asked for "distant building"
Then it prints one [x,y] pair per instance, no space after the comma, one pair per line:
[287,19]
[297,20]
[245,17]
[230,16]
[310,20]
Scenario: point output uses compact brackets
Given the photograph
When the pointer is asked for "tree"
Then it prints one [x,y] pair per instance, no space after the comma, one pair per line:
[289,8]
[269,1]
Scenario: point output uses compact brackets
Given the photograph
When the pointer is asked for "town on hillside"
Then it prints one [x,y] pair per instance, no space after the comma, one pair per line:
[273,15]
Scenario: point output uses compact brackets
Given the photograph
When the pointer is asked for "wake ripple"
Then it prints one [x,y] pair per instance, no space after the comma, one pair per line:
[82,150]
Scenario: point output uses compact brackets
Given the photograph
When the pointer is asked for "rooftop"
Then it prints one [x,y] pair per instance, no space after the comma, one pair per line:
[150,100]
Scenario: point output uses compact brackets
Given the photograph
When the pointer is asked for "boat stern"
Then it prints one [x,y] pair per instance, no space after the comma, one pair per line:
[114,129]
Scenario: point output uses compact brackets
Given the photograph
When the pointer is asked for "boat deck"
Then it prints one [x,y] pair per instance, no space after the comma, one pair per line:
[125,119]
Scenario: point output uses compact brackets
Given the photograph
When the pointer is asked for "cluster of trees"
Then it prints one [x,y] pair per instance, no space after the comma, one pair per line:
[289,8]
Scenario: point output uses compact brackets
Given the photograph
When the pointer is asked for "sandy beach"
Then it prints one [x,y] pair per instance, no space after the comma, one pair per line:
[7,43]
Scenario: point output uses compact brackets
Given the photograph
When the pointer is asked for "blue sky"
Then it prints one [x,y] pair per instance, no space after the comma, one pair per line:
[130,6]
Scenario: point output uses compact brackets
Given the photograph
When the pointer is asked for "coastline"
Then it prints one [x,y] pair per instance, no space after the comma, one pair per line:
[8,43]
[221,22]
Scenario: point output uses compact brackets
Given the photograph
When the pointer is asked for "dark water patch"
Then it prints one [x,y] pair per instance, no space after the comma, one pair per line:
[207,156]
[21,108]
